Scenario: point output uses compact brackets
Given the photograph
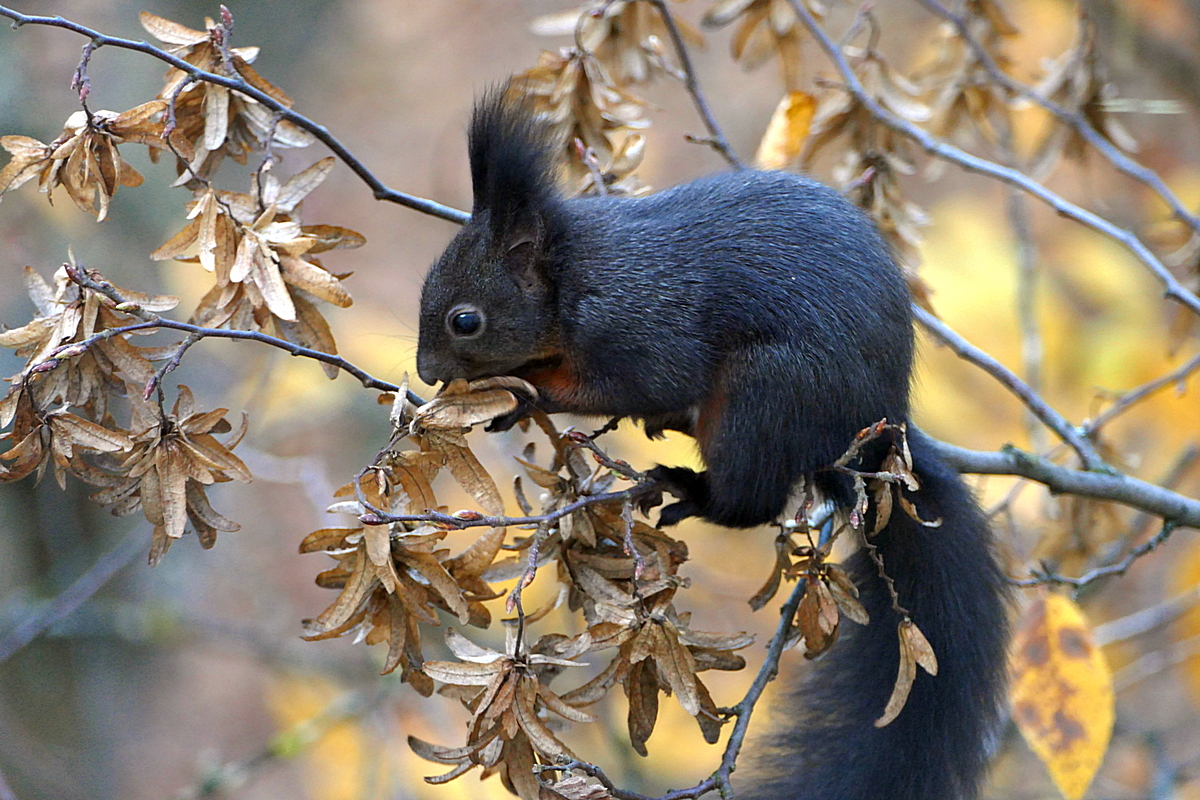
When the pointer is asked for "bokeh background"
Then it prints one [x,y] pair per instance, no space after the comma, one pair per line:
[191,679]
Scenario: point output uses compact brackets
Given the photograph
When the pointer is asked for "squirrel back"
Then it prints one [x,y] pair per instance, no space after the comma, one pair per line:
[762,314]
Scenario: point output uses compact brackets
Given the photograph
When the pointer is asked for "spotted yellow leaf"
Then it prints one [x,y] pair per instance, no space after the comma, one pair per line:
[1062,692]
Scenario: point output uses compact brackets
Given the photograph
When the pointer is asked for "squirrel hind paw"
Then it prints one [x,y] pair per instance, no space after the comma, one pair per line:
[677,512]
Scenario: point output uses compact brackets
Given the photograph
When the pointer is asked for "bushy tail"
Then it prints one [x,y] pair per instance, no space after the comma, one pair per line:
[947,578]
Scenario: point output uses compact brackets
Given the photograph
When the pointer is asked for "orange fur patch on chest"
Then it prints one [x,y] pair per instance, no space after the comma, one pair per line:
[558,383]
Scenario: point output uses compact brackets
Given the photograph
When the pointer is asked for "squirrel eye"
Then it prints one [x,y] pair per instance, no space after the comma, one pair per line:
[465,321]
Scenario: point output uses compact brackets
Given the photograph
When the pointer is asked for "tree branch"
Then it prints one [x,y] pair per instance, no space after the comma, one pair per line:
[936,147]
[75,595]
[766,674]
[151,321]
[1038,577]
[472,519]
[719,780]
[381,191]
[1147,619]
[1051,418]
[1122,403]
[1171,506]
[1075,120]
[716,139]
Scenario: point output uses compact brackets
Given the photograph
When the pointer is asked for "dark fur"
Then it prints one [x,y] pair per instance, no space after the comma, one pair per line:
[762,314]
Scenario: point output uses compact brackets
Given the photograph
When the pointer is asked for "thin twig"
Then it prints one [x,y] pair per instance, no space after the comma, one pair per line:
[617,465]
[1171,479]
[591,770]
[171,364]
[1039,577]
[366,379]
[474,520]
[1146,620]
[1121,404]
[1156,662]
[766,674]
[587,157]
[716,139]
[639,563]
[75,595]
[719,780]
[150,321]
[1077,121]
[1027,281]
[1116,487]
[948,152]
[80,80]
[1032,400]
[220,778]
[381,192]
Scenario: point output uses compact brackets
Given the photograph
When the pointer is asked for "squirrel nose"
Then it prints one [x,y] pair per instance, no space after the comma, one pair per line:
[427,368]
[433,368]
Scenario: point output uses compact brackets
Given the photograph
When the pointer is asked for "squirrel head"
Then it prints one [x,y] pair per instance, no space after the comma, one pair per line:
[488,304]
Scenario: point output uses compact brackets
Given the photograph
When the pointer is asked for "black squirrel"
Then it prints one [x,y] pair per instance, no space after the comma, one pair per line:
[762,314]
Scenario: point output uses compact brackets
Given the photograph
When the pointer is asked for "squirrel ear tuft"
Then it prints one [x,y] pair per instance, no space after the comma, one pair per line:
[512,156]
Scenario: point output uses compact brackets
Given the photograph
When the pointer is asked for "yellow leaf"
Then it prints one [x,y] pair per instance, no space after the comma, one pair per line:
[1062,692]
[786,131]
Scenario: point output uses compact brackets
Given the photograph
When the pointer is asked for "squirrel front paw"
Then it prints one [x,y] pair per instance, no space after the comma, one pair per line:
[505,421]
[689,486]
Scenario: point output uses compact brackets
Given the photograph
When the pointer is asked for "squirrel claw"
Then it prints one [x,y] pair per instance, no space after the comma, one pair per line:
[689,486]
[677,512]
[652,497]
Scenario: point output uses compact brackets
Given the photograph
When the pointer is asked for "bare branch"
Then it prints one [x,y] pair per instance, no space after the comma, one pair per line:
[1146,620]
[381,192]
[475,520]
[1051,418]
[1156,662]
[221,778]
[719,781]
[716,139]
[591,770]
[367,380]
[150,321]
[1032,351]
[172,363]
[75,595]
[948,152]
[1118,488]
[1075,120]
[1122,403]
[766,674]
[1039,577]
